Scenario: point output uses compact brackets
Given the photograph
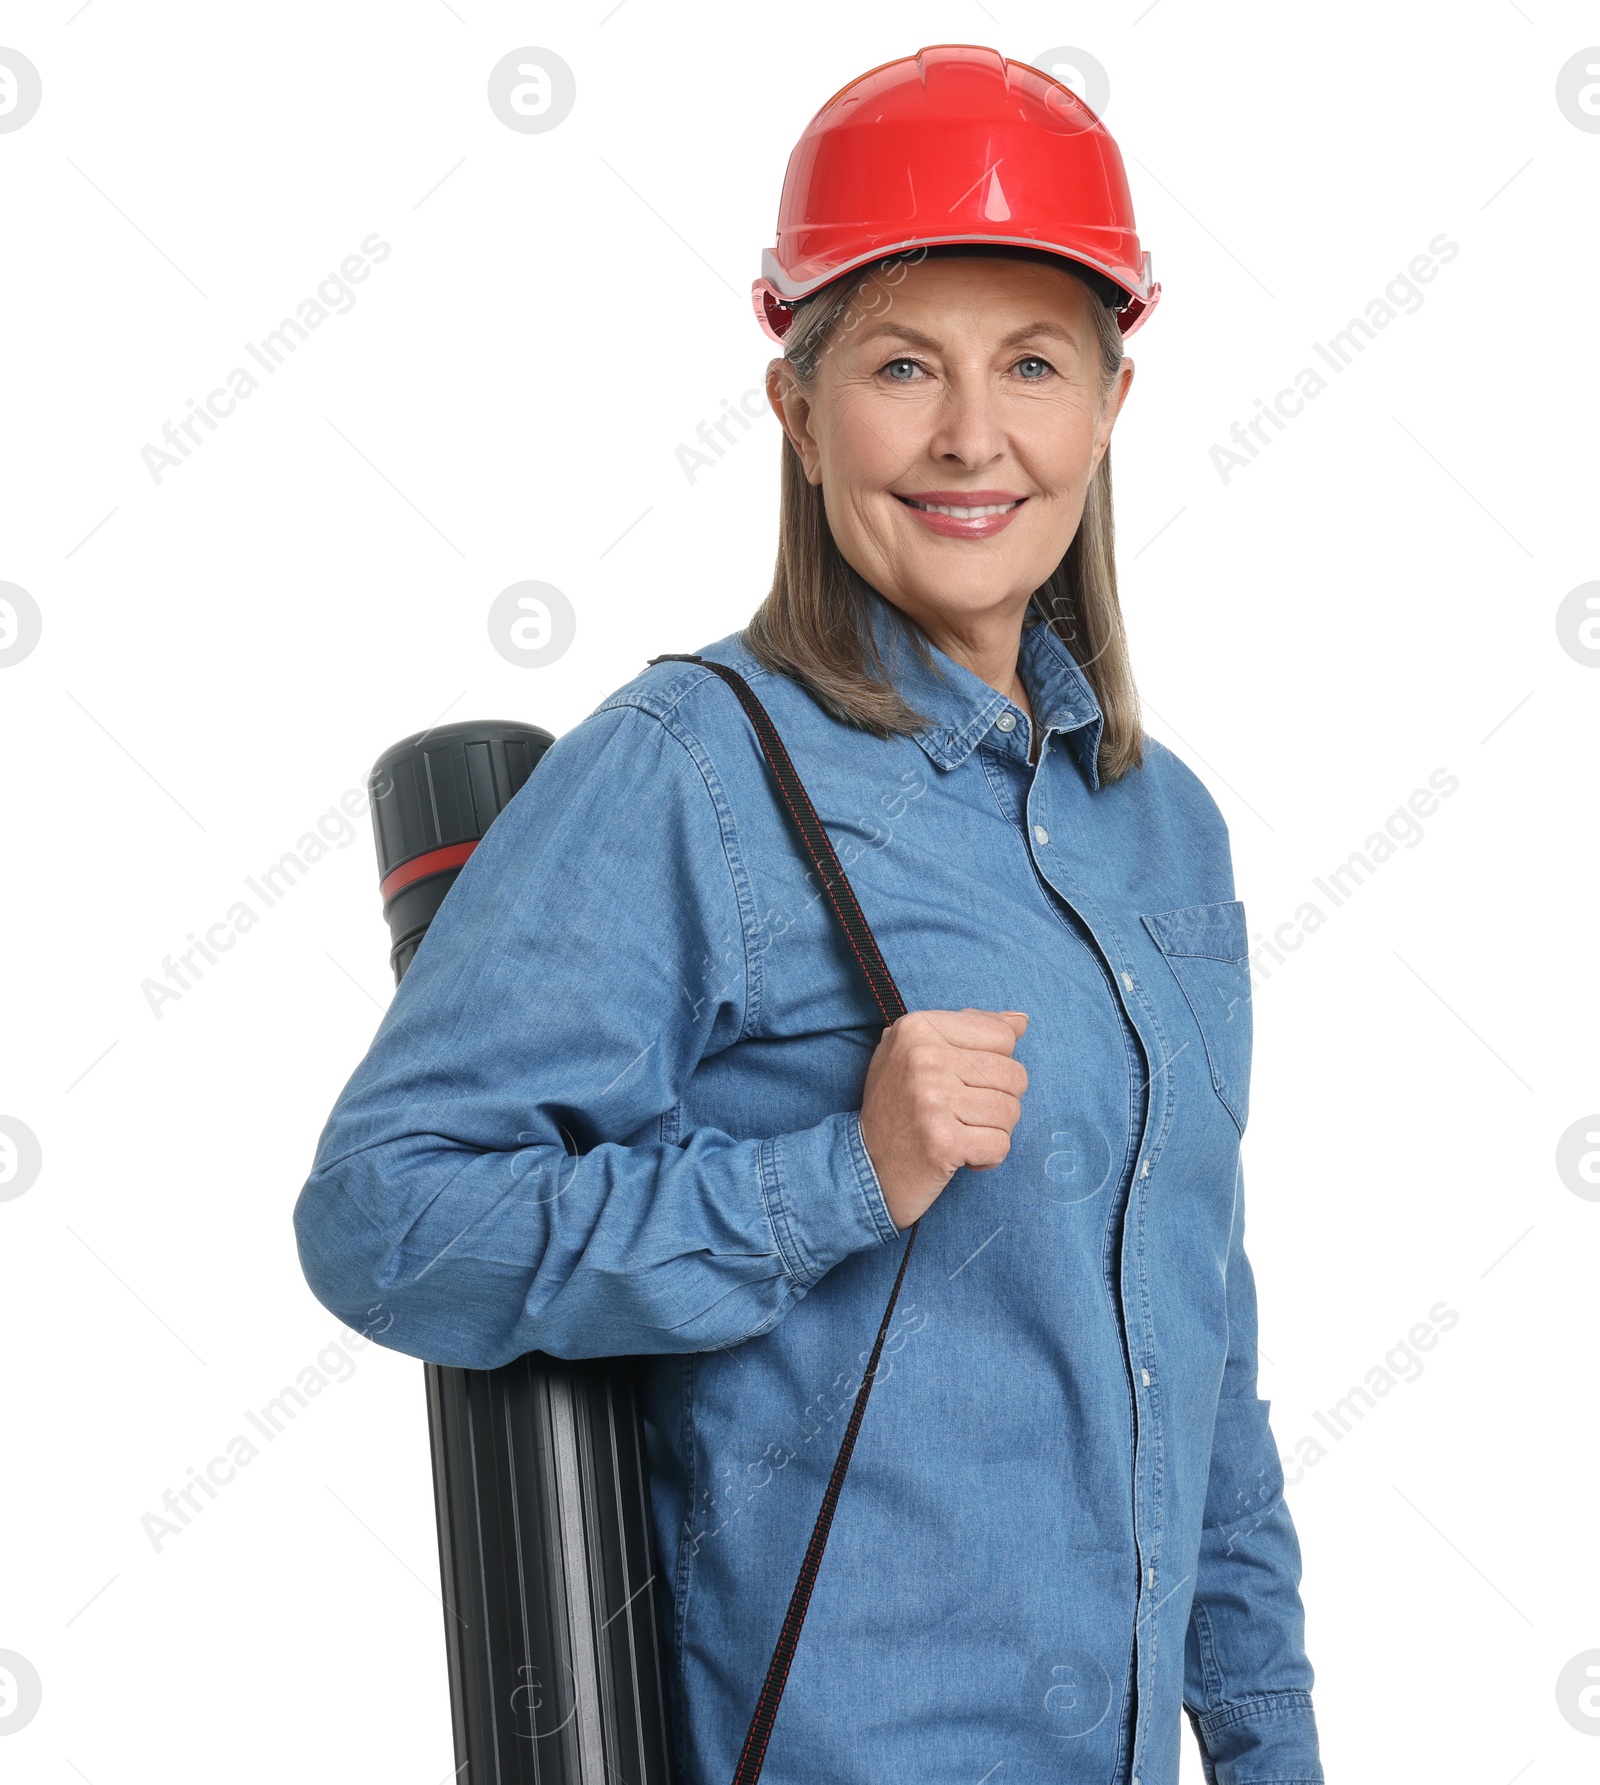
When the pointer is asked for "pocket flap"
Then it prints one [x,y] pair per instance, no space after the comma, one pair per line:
[1216,931]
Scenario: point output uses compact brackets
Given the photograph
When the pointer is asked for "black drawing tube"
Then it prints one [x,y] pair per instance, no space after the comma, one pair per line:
[552,1635]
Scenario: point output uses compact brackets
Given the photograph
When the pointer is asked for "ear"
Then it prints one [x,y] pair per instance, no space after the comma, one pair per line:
[793,410]
[1109,412]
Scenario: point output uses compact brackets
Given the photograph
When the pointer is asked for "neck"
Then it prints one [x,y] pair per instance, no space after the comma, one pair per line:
[987,644]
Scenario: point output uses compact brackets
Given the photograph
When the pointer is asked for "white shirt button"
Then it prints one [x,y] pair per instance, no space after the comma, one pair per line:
[1041,834]
[1007,722]
[1149,1577]
[1145,1171]
[1146,1375]
[1127,980]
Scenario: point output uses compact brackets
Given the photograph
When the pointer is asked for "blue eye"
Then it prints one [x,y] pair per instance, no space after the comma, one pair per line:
[1033,359]
[900,378]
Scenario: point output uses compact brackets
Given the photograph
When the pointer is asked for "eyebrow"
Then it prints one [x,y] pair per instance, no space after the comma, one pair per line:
[1018,335]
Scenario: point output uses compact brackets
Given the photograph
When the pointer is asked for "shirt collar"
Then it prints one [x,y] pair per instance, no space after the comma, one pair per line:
[962,708]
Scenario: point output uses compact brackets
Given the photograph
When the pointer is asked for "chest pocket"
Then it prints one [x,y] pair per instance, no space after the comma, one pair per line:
[1207,950]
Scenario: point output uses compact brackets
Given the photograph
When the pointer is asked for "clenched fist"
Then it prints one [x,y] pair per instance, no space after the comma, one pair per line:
[942,1091]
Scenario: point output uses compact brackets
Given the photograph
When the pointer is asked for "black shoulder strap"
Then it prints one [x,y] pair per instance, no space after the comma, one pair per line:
[841,896]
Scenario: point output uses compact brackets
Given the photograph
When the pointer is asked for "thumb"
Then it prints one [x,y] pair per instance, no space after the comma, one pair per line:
[1018,1020]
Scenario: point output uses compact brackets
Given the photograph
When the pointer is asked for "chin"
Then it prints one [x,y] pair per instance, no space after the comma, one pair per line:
[940,591]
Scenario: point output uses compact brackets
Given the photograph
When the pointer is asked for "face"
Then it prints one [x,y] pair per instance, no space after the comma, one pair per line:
[971,385]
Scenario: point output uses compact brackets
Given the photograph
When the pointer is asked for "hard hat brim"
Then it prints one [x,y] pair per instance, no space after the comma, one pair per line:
[774,296]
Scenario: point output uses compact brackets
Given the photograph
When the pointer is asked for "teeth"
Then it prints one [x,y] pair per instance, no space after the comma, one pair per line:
[962,514]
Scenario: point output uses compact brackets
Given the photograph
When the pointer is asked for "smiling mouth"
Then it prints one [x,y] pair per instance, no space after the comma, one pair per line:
[962,514]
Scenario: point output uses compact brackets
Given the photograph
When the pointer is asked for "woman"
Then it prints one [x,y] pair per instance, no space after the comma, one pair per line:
[634,1097]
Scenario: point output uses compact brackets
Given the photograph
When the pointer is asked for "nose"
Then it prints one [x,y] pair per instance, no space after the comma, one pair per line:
[968,430]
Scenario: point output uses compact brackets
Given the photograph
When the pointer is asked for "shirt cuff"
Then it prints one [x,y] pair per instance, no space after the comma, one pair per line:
[1270,1739]
[823,1196]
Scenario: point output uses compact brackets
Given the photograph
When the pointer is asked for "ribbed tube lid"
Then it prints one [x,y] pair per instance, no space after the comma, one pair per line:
[446,785]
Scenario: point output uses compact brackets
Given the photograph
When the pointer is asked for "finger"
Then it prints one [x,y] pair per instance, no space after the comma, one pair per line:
[987,1109]
[973,1028]
[986,1148]
[998,1072]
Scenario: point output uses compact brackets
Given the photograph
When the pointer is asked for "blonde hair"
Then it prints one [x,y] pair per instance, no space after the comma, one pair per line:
[814,625]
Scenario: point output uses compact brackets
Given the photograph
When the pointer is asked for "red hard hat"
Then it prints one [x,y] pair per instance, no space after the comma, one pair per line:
[953,145]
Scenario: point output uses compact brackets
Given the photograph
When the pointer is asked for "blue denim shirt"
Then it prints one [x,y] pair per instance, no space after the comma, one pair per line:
[614,1109]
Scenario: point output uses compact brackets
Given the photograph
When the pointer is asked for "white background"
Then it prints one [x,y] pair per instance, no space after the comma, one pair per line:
[225,652]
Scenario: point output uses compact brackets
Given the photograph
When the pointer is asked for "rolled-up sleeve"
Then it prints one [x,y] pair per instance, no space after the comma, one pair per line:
[1247,1680]
[503,1172]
